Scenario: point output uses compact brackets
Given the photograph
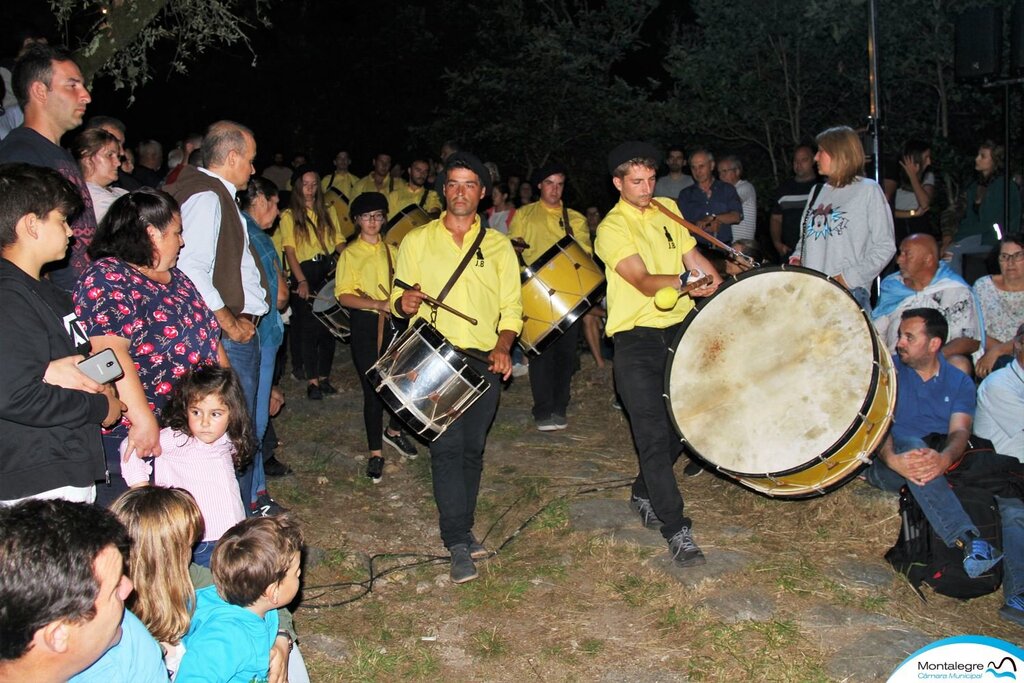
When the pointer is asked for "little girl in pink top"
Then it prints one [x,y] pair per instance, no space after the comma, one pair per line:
[208,437]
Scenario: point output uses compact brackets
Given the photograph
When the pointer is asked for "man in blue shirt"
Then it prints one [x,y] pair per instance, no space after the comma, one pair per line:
[936,398]
[709,203]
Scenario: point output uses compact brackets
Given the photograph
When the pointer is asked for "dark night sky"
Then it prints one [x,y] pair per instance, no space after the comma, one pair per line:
[328,74]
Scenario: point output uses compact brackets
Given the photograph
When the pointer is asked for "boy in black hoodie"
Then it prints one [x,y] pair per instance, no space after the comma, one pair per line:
[50,412]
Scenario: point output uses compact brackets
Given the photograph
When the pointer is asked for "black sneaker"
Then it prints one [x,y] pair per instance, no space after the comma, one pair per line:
[326,388]
[275,468]
[684,551]
[268,507]
[477,550]
[643,507]
[314,393]
[463,568]
[375,469]
[401,443]
[692,469]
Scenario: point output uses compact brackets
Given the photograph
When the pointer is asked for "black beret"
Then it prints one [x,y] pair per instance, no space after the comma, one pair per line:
[633,149]
[367,202]
[469,160]
[301,171]
[547,170]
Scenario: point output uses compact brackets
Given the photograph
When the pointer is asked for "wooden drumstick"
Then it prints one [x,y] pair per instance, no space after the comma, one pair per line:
[434,302]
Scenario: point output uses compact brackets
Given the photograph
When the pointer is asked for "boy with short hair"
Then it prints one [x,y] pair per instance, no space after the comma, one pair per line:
[256,568]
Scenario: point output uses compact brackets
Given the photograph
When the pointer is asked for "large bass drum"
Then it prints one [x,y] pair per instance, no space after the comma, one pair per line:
[780,382]
[404,222]
[425,380]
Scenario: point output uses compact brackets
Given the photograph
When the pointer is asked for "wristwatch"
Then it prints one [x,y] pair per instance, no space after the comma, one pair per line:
[291,641]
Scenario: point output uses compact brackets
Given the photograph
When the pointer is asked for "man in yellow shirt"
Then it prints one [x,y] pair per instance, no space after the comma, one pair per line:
[339,191]
[488,290]
[415,191]
[535,228]
[380,178]
[644,251]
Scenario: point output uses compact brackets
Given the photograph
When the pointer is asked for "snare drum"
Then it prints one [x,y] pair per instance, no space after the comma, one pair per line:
[425,381]
[403,222]
[558,288]
[328,311]
[780,381]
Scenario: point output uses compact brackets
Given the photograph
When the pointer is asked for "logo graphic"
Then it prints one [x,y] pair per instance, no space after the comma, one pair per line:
[825,221]
[964,658]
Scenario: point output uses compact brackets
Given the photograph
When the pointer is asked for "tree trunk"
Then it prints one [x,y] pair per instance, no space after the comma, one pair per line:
[125,19]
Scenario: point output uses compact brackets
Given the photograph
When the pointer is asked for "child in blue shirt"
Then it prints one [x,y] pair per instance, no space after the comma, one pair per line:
[256,568]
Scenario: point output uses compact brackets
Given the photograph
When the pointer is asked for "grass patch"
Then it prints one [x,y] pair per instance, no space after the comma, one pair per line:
[371,662]
[554,516]
[489,644]
[591,646]
[636,591]
[495,589]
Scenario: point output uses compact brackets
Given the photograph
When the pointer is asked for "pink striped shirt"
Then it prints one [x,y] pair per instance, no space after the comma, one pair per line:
[204,470]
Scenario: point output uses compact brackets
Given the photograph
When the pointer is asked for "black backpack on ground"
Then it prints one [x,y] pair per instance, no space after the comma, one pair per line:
[922,556]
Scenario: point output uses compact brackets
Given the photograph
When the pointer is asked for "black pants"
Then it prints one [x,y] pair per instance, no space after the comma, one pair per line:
[364,355]
[641,355]
[310,337]
[551,375]
[457,462]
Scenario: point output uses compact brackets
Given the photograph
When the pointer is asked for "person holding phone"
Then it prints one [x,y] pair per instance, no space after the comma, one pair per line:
[133,300]
[50,412]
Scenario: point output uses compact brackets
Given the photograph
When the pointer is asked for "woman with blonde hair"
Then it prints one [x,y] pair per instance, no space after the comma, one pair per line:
[164,524]
[846,231]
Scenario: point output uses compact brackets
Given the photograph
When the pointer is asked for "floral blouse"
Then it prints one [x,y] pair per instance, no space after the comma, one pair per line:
[1003,311]
[169,327]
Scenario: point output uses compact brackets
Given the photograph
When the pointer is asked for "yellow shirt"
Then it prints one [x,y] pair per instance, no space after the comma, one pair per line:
[487,290]
[364,266]
[626,231]
[367,184]
[346,185]
[541,226]
[403,196]
[307,249]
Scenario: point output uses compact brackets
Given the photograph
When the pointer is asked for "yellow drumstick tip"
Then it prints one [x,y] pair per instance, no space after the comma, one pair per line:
[666,298]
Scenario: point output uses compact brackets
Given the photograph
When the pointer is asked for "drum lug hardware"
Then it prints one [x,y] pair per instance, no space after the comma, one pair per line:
[864,457]
[551,292]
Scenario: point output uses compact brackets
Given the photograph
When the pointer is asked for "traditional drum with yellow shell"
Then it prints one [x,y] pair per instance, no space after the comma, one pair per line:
[780,381]
[403,222]
[558,288]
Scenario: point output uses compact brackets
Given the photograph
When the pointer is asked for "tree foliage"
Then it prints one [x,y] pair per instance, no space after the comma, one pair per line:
[118,38]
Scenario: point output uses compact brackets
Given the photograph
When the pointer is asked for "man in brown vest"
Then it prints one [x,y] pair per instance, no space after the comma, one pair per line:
[218,258]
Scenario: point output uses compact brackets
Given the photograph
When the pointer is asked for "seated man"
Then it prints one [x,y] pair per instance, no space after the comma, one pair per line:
[62,588]
[936,398]
[924,281]
[1000,417]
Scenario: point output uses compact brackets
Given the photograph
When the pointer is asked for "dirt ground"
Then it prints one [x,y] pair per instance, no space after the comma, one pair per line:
[559,601]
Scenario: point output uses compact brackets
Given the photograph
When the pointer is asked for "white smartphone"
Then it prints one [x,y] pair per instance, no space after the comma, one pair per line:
[102,367]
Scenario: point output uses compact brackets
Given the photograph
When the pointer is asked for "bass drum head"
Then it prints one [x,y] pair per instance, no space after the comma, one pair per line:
[771,373]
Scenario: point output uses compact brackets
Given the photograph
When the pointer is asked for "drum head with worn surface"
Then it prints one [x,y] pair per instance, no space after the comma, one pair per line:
[771,372]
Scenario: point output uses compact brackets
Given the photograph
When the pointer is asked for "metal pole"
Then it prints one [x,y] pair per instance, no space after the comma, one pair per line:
[875,117]
[1007,176]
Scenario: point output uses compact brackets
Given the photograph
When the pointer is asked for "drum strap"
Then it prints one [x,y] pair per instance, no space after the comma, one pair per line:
[565,221]
[473,249]
[381,317]
[332,188]
[803,219]
[423,197]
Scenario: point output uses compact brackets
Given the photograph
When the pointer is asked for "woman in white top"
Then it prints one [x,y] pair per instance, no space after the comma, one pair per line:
[846,231]
[911,191]
[99,155]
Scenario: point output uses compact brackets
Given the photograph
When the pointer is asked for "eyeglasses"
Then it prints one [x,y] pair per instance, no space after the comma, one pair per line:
[1012,257]
[376,217]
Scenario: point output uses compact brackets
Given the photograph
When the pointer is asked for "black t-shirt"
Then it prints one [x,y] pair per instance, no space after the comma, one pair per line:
[790,200]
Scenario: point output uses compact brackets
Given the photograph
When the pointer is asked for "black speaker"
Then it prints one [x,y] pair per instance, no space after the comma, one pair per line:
[1017,37]
[978,41]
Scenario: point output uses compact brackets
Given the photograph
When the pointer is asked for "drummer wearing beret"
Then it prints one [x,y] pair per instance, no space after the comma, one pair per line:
[487,290]
[644,251]
[534,229]
[365,271]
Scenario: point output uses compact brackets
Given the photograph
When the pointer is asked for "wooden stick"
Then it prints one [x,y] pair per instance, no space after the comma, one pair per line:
[740,257]
[439,304]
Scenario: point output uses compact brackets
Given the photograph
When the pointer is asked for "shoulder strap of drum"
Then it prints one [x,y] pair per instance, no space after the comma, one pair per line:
[423,197]
[462,265]
[391,266]
[341,195]
[565,221]
[803,219]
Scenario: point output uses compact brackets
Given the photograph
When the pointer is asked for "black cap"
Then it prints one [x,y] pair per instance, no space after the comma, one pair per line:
[469,160]
[367,202]
[634,149]
[547,170]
